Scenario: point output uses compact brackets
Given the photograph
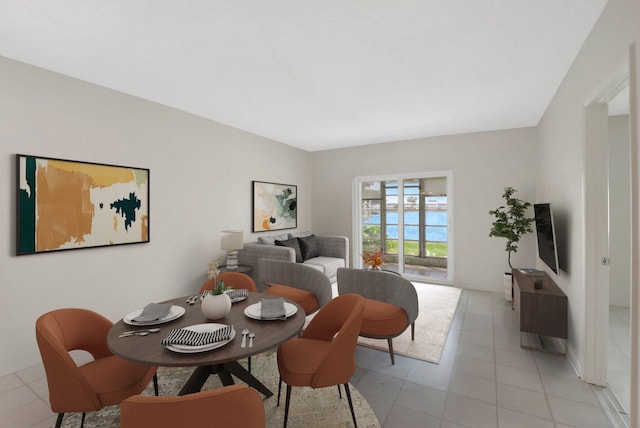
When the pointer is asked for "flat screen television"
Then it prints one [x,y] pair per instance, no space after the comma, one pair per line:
[545,231]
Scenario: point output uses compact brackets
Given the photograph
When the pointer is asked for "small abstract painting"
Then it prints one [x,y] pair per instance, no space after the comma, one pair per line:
[275,206]
[65,204]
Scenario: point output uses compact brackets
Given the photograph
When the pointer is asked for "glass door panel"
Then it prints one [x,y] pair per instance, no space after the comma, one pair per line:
[371,216]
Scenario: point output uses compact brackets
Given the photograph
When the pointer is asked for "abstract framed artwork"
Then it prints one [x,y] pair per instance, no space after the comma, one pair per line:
[275,206]
[65,204]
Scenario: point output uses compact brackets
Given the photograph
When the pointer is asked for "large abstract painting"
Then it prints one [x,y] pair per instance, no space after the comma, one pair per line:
[275,206]
[64,204]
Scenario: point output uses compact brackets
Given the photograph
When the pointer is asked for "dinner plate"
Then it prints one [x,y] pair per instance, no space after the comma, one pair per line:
[201,328]
[174,313]
[253,311]
[237,299]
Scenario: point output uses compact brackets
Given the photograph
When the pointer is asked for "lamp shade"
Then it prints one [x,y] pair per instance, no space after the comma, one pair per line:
[231,240]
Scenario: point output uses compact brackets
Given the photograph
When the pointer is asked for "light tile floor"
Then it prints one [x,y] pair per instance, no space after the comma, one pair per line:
[484,380]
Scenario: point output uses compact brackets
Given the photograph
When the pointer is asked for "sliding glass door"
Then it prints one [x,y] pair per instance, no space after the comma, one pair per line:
[408,219]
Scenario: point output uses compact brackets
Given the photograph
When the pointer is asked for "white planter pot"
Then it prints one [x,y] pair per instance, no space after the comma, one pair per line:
[508,286]
[215,307]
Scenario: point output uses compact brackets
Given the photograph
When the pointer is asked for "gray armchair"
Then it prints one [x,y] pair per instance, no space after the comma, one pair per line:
[303,284]
[391,302]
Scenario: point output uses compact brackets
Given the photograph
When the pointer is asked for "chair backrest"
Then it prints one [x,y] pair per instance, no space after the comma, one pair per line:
[57,333]
[381,286]
[237,280]
[339,321]
[296,275]
[229,406]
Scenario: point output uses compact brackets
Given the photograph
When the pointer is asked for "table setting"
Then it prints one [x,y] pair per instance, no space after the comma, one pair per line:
[177,333]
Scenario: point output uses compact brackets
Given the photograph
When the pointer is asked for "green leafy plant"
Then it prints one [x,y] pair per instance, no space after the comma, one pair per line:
[511,221]
[220,288]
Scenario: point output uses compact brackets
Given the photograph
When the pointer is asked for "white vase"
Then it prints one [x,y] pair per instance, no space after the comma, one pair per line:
[216,306]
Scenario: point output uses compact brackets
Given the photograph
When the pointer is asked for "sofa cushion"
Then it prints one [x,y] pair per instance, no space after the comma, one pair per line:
[299,234]
[329,265]
[292,243]
[271,240]
[304,298]
[383,319]
[309,247]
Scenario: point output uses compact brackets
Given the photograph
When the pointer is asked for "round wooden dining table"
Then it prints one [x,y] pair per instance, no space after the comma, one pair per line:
[223,361]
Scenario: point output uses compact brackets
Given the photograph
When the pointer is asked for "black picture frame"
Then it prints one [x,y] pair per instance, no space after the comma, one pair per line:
[68,204]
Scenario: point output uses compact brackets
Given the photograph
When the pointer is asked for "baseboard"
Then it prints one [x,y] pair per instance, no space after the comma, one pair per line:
[609,402]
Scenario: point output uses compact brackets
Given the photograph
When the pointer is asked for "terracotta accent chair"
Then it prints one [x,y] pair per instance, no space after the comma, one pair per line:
[237,280]
[391,302]
[230,406]
[302,284]
[324,354]
[105,381]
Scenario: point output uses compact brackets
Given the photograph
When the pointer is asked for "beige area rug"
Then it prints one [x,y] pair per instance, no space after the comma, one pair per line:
[309,408]
[437,307]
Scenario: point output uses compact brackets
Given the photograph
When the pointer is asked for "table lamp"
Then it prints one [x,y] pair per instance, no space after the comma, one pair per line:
[231,241]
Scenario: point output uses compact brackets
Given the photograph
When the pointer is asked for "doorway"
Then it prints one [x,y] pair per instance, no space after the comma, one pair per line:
[608,242]
[407,220]
[619,191]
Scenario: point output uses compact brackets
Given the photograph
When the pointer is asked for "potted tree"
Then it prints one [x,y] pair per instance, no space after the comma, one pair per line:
[510,222]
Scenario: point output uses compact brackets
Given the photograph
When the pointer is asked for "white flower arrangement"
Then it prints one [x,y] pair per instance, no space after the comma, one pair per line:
[213,271]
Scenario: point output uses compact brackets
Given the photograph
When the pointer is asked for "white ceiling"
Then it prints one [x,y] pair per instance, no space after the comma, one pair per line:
[315,74]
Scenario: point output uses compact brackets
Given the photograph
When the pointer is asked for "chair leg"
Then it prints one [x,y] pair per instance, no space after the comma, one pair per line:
[391,350]
[249,363]
[59,420]
[286,405]
[413,330]
[353,414]
[82,421]
[155,384]
[339,392]
[279,389]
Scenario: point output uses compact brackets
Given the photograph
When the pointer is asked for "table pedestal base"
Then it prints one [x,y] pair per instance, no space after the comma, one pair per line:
[224,371]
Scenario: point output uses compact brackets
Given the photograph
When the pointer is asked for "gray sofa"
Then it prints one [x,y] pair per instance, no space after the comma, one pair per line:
[332,252]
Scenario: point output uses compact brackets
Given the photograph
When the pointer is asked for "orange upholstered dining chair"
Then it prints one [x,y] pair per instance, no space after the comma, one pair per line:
[391,302]
[237,280]
[324,354]
[105,381]
[227,407]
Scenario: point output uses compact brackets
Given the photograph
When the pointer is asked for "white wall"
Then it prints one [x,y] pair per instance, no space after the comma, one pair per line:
[620,211]
[482,164]
[200,177]
[600,63]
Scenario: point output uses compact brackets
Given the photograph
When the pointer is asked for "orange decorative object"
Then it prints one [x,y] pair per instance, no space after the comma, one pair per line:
[374,260]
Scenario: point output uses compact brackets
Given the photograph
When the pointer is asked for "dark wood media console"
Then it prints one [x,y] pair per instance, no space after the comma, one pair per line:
[542,312]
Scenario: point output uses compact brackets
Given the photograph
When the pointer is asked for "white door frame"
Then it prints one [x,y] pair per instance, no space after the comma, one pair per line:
[596,236]
[634,141]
